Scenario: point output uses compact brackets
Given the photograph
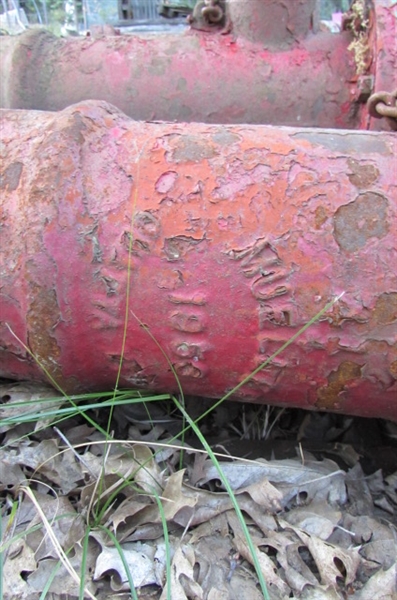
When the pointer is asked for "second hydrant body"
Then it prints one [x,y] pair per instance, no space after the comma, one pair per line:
[274,66]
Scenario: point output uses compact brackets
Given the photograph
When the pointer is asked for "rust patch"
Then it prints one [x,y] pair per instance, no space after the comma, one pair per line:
[187,370]
[170,280]
[320,217]
[178,246]
[393,369]
[134,245]
[328,395]
[148,224]
[223,137]
[361,220]
[385,310]
[192,148]
[41,318]
[9,179]
[350,142]
[362,176]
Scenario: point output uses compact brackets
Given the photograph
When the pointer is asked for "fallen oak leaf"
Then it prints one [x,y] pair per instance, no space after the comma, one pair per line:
[182,584]
[326,557]
[268,567]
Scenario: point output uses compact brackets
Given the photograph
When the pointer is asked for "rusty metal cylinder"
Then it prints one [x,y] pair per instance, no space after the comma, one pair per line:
[230,239]
[278,24]
[274,67]
[191,77]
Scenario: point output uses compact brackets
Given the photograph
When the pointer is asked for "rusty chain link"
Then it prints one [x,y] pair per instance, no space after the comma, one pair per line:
[384,105]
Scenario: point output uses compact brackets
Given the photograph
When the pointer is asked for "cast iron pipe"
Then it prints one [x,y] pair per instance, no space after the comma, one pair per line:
[209,77]
[231,238]
[193,77]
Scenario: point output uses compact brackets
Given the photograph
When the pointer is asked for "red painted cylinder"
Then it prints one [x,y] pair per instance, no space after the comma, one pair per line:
[196,76]
[230,239]
[274,68]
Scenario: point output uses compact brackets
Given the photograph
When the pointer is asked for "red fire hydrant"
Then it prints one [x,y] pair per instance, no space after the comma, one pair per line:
[222,240]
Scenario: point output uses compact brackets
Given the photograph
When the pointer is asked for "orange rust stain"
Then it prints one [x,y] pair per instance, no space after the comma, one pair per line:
[188,370]
[304,178]
[359,221]
[42,316]
[191,148]
[362,176]
[393,369]
[328,395]
[385,310]
[320,217]
[10,177]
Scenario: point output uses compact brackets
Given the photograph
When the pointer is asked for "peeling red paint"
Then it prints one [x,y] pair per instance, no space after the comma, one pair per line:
[235,235]
[192,77]
[275,67]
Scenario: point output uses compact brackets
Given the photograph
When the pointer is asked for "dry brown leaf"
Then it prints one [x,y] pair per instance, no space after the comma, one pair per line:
[360,499]
[177,497]
[11,475]
[320,480]
[381,586]
[132,463]
[221,574]
[320,593]
[36,398]
[149,476]
[297,573]
[14,585]
[67,525]
[318,519]
[141,560]
[216,525]
[60,468]
[264,494]
[391,487]
[382,552]
[187,505]
[63,582]
[326,557]
[126,510]
[182,584]
[268,567]
[264,520]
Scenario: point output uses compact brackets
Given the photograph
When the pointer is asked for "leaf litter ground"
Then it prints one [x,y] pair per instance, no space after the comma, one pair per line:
[142,515]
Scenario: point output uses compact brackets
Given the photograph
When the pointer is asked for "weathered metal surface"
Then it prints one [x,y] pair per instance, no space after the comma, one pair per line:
[385,58]
[376,50]
[237,236]
[278,24]
[275,67]
[197,76]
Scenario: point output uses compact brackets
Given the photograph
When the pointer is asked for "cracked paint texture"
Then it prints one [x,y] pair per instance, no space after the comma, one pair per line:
[222,280]
[177,77]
